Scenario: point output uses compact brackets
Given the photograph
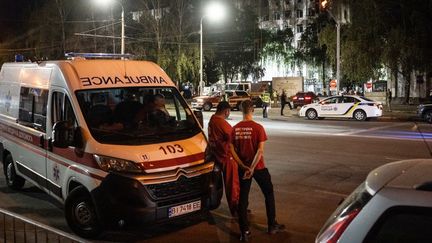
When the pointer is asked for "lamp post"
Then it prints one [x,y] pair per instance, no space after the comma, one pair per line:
[338,25]
[324,6]
[201,57]
[101,2]
[215,11]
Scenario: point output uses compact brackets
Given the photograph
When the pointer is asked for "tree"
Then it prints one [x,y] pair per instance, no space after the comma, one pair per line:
[310,50]
[233,48]
[390,33]
[277,47]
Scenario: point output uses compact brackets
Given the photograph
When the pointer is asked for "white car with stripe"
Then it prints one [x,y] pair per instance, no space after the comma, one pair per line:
[344,106]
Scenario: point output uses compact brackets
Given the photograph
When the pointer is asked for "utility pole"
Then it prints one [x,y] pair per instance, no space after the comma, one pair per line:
[324,6]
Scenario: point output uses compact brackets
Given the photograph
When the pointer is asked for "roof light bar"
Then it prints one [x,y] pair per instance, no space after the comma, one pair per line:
[71,55]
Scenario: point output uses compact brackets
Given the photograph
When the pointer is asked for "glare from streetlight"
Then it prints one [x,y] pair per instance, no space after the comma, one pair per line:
[215,11]
[103,2]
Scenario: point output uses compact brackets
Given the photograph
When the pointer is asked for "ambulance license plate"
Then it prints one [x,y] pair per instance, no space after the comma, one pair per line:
[184,209]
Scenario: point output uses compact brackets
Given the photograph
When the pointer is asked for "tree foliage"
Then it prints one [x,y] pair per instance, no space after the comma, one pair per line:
[393,34]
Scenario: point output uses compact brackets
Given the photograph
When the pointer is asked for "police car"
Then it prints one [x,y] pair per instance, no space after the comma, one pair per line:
[345,106]
[394,204]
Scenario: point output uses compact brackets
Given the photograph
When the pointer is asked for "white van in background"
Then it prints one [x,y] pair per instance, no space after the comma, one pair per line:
[111,139]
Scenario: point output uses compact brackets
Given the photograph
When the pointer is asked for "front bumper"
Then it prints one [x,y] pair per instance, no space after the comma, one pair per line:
[196,105]
[302,111]
[124,199]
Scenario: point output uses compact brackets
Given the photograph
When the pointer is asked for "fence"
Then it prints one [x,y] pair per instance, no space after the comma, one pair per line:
[15,228]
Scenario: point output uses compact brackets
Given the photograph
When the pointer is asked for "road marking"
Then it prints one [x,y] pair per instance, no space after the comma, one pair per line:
[332,193]
[370,129]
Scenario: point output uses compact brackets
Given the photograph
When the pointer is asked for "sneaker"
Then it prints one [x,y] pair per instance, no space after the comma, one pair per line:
[244,236]
[276,228]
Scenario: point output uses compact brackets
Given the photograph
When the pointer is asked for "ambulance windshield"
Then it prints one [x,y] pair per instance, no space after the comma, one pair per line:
[135,116]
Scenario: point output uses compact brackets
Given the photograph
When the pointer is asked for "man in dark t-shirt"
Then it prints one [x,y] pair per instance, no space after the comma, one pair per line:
[248,139]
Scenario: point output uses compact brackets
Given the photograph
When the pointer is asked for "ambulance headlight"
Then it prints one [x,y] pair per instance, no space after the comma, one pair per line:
[114,164]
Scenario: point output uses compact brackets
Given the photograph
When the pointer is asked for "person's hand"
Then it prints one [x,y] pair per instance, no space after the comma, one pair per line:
[248,174]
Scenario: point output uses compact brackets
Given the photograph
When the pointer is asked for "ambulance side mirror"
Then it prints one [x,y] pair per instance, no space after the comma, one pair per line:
[63,134]
[199,115]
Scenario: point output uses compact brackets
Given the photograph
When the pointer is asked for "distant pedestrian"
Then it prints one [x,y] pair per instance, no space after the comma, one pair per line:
[389,99]
[219,133]
[248,139]
[284,101]
[265,98]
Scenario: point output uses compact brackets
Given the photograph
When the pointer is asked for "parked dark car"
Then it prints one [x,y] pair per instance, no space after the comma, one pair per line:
[424,111]
[303,98]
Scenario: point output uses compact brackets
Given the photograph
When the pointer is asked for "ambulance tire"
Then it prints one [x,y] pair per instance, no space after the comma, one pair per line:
[239,106]
[13,180]
[216,188]
[81,214]
[207,106]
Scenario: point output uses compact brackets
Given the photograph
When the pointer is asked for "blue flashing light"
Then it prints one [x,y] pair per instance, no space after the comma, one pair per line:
[19,58]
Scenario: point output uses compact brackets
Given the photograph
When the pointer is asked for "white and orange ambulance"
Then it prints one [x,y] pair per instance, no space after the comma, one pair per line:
[111,139]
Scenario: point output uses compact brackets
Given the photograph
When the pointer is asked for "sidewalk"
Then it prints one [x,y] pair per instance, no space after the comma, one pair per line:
[398,113]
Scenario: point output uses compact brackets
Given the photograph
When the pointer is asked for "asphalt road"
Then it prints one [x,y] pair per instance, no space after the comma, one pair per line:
[314,164]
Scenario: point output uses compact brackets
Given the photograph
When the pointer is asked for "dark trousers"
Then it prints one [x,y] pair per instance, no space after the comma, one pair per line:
[265,109]
[262,177]
[283,106]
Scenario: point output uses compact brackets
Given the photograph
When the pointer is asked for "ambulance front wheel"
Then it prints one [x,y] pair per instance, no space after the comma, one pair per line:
[13,180]
[81,214]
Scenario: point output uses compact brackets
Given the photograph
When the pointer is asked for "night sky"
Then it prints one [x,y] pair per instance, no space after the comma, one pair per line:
[13,14]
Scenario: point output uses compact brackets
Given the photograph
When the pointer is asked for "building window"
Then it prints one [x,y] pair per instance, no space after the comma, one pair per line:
[299,13]
[287,14]
[299,1]
[32,108]
[311,12]
[277,16]
[266,18]
[299,28]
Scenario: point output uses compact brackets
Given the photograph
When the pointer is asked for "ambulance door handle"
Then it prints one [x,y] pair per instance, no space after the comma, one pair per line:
[50,146]
[42,141]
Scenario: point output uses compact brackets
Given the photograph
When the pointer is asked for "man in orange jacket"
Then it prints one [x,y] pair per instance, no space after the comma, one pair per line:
[219,133]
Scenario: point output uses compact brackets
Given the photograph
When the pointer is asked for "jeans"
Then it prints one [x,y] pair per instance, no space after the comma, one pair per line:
[262,177]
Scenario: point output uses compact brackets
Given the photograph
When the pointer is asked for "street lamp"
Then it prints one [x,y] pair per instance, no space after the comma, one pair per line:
[215,11]
[106,2]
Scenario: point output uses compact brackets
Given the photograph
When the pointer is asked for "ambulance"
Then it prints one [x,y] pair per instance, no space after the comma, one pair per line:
[113,140]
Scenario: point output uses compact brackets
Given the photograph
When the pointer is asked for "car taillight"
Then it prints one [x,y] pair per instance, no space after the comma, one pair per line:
[344,215]
[308,98]
[335,230]
[295,97]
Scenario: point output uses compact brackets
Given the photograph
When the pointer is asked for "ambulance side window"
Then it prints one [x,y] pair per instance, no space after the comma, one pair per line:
[61,108]
[33,108]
